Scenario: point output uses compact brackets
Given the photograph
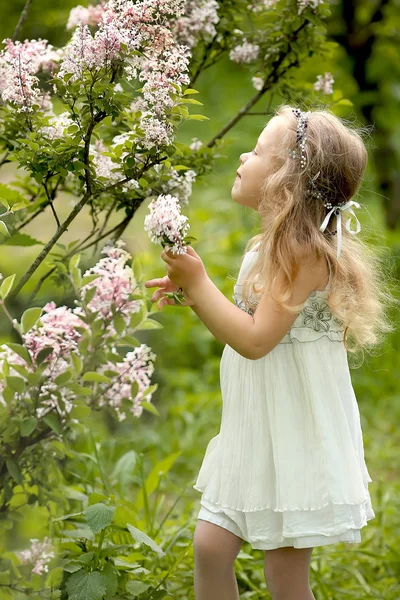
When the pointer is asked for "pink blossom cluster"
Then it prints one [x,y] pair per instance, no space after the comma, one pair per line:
[86,52]
[39,554]
[137,366]
[165,224]
[113,286]
[199,21]
[244,53]
[87,16]
[19,63]
[324,83]
[61,328]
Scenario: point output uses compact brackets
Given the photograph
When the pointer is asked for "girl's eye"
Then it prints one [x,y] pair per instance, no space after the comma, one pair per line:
[254,152]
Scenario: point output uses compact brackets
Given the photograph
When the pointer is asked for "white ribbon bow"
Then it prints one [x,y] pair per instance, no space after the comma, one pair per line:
[338,212]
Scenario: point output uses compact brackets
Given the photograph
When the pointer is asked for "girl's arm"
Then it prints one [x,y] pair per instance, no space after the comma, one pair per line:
[251,336]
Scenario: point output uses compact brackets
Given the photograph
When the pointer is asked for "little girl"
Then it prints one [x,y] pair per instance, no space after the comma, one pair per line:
[286,472]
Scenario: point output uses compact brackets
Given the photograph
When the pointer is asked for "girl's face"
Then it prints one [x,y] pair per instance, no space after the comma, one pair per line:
[256,165]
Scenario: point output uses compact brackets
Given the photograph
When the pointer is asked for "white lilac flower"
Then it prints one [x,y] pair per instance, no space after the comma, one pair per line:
[58,125]
[196,144]
[324,83]
[257,82]
[165,224]
[244,53]
[303,4]
[199,21]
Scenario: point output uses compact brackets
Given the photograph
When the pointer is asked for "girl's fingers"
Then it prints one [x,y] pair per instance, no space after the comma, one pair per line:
[156,282]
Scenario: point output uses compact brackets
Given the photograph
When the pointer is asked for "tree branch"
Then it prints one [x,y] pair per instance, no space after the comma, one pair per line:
[21,21]
[272,78]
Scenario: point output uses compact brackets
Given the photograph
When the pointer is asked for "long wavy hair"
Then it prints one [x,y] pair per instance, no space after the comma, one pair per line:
[359,293]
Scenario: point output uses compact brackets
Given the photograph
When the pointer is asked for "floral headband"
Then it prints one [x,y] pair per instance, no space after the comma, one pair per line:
[317,192]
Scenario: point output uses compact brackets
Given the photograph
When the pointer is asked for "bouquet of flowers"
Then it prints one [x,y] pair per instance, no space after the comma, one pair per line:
[167,226]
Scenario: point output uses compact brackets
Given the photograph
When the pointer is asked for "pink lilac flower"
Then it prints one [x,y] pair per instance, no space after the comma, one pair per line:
[137,367]
[156,132]
[114,284]
[244,53]
[196,144]
[324,83]
[56,329]
[39,554]
[257,82]
[19,62]
[87,16]
[199,21]
[165,223]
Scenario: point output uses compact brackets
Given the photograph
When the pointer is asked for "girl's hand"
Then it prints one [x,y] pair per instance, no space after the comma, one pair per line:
[165,285]
[185,270]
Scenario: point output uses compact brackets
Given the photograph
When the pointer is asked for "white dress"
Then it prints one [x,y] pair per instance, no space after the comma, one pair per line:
[287,467]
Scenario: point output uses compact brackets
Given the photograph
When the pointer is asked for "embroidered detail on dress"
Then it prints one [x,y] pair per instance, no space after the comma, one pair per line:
[315,318]
[242,306]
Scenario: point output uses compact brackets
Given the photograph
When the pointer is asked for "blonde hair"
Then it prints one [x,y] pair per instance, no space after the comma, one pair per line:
[359,293]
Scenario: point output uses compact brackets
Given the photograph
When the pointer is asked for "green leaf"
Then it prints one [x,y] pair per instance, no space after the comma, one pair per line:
[88,279]
[86,586]
[190,91]
[129,340]
[197,118]
[119,323]
[111,577]
[5,203]
[125,467]
[53,421]
[27,426]
[79,390]
[74,261]
[63,377]
[150,407]
[137,268]
[99,516]
[14,470]
[77,362]
[20,350]
[150,324]
[80,411]
[11,195]
[55,577]
[137,587]
[3,229]
[16,383]
[143,538]
[30,317]
[93,376]
[21,239]
[43,354]
[180,168]
[6,286]
[152,480]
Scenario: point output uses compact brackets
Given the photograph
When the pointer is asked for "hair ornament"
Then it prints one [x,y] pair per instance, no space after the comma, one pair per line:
[302,120]
[337,210]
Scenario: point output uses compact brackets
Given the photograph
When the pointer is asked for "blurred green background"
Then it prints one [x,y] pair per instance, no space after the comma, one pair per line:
[365,66]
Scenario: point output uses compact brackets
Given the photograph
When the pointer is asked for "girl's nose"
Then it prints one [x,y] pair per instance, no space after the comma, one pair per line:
[243,157]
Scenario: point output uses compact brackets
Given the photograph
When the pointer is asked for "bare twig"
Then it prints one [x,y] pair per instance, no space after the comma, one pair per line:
[21,21]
